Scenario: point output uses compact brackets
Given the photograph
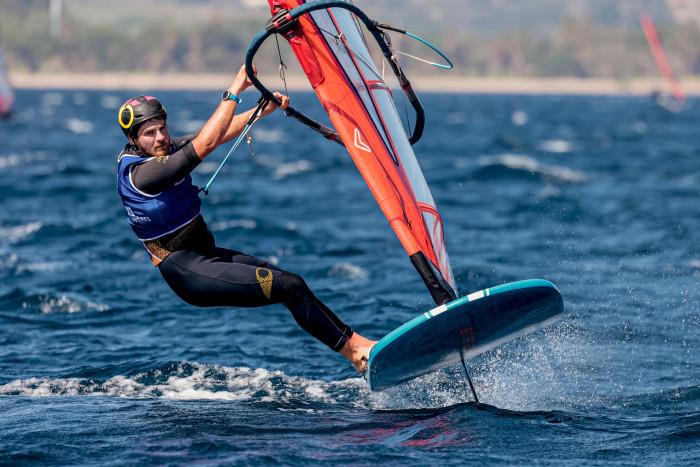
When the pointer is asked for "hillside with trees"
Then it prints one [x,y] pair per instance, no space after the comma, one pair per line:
[578,38]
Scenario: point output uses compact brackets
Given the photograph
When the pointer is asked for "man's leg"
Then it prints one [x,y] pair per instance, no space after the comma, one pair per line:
[230,278]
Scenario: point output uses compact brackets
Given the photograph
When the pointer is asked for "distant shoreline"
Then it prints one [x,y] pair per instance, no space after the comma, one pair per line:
[448,84]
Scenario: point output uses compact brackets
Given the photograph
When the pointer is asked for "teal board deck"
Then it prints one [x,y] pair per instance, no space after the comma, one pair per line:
[472,325]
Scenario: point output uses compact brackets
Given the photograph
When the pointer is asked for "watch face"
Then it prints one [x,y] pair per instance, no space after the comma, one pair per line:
[225,94]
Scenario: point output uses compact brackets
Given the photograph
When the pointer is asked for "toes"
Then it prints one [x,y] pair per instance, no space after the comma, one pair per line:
[362,365]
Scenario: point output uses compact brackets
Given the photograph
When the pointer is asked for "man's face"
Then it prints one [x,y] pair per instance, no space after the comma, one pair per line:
[153,138]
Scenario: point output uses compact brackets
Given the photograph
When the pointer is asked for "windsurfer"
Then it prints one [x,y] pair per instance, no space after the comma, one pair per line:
[6,94]
[163,209]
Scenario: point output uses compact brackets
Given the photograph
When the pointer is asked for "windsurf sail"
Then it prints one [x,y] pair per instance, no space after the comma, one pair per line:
[6,93]
[662,62]
[330,46]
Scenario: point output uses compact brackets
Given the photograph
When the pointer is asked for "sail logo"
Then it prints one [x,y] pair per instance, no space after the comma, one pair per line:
[359,142]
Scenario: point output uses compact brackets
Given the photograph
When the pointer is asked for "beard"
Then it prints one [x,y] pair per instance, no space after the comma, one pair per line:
[161,151]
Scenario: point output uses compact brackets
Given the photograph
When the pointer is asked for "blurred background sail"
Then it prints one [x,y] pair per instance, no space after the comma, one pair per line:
[678,100]
[6,93]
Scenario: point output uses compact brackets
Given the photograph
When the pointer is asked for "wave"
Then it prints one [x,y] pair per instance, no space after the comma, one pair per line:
[513,164]
[78,126]
[348,271]
[110,102]
[246,224]
[8,261]
[51,99]
[519,118]
[208,167]
[49,303]
[14,160]
[265,135]
[186,381]
[556,146]
[15,234]
[39,266]
[67,304]
[196,381]
[520,381]
[189,126]
[280,169]
[288,169]
[672,399]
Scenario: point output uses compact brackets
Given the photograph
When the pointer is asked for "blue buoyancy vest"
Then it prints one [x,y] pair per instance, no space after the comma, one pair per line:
[153,216]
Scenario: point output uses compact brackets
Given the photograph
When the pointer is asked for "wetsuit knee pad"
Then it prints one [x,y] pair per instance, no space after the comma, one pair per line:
[293,286]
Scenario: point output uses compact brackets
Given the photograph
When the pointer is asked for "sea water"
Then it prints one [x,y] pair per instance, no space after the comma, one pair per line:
[100,363]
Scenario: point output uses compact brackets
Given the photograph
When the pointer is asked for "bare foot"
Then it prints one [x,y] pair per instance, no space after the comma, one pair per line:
[357,349]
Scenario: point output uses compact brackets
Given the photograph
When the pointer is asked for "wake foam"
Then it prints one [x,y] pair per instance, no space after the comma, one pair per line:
[534,373]
[348,271]
[530,165]
[10,161]
[243,223]
[271,136]
[289,169]
[79,126]
[50,303]
[20,232]
[195,381]
[556,146]
[527,374]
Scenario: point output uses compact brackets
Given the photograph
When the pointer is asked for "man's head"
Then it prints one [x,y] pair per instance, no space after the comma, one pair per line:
[143,121]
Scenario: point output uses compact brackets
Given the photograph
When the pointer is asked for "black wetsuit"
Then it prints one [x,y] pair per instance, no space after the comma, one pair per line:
[205,275]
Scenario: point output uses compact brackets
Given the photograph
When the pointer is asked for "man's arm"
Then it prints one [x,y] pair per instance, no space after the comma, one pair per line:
[160,173]
[214,130]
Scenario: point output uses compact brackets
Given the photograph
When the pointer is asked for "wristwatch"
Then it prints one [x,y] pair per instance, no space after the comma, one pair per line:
[229,96]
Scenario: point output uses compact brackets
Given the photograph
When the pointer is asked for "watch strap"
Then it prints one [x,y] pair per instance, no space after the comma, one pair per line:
[229,96]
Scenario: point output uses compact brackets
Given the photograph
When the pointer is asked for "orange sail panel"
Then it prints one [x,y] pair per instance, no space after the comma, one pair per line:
[332,51]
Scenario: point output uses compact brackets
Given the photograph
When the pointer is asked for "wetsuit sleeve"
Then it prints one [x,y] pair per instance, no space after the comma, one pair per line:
[181,141]
[160,173]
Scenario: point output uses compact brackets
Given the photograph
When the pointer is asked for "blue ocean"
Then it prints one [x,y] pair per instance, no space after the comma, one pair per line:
[101,364]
